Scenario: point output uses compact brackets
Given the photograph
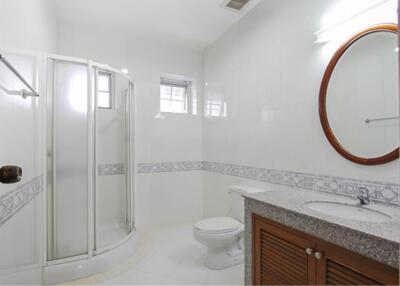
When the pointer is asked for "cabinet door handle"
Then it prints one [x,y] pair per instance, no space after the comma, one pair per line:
[318,255]
[309,251]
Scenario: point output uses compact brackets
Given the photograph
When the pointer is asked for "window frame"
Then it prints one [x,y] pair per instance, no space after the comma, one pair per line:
[188,94]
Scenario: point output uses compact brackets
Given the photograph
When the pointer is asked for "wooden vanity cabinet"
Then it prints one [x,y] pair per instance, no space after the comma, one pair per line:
[284,256]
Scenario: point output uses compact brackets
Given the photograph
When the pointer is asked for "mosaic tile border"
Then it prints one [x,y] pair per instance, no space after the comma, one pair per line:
[111,169]
[14,201]
[166,167]
[384,192]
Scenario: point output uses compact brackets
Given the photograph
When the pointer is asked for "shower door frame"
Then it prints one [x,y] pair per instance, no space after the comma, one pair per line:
[91,157]
[97,67]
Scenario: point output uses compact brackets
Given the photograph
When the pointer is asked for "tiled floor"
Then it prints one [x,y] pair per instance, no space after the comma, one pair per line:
[175,258]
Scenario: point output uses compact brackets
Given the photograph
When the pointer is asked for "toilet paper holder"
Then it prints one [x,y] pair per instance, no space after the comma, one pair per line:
[10,174]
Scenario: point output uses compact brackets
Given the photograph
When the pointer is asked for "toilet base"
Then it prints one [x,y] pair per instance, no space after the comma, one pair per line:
[224,257]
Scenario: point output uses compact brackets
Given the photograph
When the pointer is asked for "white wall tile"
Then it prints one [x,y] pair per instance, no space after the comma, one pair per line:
[268,70]
[169,198]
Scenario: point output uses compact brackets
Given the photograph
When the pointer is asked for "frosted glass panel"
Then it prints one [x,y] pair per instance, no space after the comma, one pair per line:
[112,222]
[70,162]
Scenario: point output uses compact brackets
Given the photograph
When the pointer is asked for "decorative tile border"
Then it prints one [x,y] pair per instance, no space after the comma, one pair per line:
[166,167]
[111,169]
[14,201]
[379,191]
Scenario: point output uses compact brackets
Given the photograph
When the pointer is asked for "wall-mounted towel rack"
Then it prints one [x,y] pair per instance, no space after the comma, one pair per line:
[24,93]
[369,120]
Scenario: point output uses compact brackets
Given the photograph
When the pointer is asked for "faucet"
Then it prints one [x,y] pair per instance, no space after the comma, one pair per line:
[363,196]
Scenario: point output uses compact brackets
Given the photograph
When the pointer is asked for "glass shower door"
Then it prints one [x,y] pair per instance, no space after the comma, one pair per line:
[112,185]
[67,160]
[89,193]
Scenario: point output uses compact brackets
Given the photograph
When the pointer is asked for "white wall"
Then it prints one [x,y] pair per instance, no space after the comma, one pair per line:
[268,70]
[172,197]
[159,138]
[26,25]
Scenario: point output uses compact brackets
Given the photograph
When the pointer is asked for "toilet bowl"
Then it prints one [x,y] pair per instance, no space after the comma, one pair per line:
[223,236]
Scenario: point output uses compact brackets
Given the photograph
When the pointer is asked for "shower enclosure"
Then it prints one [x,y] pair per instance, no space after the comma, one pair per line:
[89,158]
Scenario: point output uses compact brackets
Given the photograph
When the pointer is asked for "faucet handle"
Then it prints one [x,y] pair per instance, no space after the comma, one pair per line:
[363,196]
[363,191]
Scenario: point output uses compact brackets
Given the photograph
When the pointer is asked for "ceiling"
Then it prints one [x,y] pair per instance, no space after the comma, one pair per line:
[199,21]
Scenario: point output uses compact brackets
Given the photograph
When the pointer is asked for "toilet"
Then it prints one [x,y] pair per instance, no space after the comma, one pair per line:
[223,236]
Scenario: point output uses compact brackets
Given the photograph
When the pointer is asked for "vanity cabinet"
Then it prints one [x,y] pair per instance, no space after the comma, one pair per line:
[284,256]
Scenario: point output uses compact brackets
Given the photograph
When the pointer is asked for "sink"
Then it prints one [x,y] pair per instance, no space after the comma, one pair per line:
[354,212]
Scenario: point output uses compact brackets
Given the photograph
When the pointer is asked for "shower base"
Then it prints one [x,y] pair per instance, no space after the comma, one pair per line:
[111,234]
[69,271]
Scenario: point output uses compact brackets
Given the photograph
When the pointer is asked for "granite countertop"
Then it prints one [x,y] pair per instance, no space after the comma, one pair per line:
[377,240]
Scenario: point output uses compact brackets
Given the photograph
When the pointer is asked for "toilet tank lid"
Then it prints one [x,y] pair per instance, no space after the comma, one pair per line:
[245,190]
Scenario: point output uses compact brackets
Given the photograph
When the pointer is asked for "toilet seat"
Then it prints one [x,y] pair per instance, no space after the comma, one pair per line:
[218,225]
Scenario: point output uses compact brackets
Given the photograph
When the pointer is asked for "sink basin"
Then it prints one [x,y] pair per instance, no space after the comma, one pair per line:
[354,212]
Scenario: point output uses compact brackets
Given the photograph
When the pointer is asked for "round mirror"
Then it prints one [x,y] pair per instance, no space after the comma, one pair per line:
[359,106]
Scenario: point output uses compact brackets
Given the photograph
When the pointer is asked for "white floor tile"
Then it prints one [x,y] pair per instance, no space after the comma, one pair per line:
[176,259]
[138,277]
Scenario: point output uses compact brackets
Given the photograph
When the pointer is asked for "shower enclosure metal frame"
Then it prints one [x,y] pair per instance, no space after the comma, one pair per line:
[92,70]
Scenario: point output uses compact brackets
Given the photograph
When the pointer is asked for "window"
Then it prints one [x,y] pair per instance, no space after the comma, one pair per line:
[104,90]
[175,96]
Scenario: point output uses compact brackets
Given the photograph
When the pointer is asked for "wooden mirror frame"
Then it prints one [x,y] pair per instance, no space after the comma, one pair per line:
[393,28]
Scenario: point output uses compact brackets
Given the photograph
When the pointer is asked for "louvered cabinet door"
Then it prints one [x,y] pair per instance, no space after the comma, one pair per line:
[284,256]
[280,256]
[338,266]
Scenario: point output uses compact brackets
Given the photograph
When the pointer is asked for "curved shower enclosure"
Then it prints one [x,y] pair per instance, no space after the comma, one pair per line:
[89,160]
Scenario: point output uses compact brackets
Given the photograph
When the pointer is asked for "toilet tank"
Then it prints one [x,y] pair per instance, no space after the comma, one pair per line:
[237,201]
